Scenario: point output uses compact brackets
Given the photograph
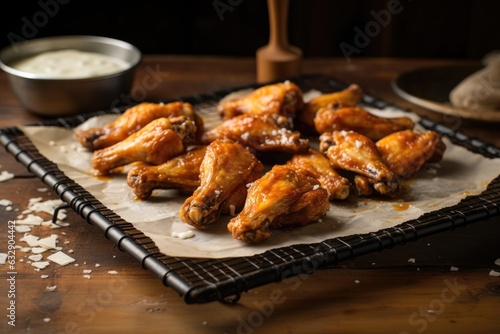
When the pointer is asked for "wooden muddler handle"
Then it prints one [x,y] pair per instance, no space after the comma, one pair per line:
[278,59]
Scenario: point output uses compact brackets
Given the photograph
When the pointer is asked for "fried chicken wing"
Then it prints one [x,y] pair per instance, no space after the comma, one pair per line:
[259,133]
[283,197]
[349,97]
[225,171]
[359,120]
[405,152]
[181,172]
[277,99]
[318,164]
[157,142]
[134,119]
[351,151]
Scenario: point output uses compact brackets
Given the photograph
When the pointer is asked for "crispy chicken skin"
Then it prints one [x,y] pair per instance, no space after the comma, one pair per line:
[349,97]
[405,152]
[283,197]
[359,120]
[351,151]
[259,133]
[318,164]
[181,172]
[134,119]
[156,143]
[225,171]
[277,99]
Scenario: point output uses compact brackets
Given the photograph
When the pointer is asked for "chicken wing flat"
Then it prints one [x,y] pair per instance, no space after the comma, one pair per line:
[259,133]
[405,152]
[318,164]
[283,197]
[349,97]
[359,120]
[277,99]
[134,119]
[156,143]
[225,171]
[351,151]
[181,172]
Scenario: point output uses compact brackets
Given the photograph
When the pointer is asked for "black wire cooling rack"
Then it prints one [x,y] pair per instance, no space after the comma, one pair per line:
[206,280]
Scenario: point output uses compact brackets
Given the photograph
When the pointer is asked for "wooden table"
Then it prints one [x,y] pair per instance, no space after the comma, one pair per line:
[385,292]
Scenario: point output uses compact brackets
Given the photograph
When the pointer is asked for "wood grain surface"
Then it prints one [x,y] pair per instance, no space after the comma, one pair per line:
[438,284]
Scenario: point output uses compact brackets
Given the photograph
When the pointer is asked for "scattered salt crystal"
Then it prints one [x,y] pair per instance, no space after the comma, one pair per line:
[86,276]
[97,265]
[87,271]
[431,311]
[22,228]
[46,319]
[411,260]
[183,235]
[40,265]
[453,268]
[25,249]
[5,202]
[30,239]
[31,219]
[38,250]
[36,257]
[357,281]
[494,273]
[5,176]
[49,242]
[42,190]
[61,258]
[44,276]
[52,143]
[358,143]
[51,288]
[112,272]
[71,251]
[497,262]
[3,258]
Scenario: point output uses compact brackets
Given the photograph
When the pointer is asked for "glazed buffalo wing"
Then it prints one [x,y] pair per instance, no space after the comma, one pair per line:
[134,119]
[359,120]
[157,142]
[319,165]
[283,197]
[348,97]
[181,172]
[351,151]
[277,99]
[225,171]
[405,152]
[259,133]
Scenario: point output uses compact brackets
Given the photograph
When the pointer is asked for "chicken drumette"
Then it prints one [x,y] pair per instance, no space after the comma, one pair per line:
[359,120]
[319,165]
[134,119]
[405,152]
[259,133]
[277,99]
[156,143]
[348,97]
[351,151]
[181,172]
[226,170]
[284,197]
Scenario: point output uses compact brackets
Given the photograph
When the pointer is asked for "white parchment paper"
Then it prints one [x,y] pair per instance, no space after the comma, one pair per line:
[461,173]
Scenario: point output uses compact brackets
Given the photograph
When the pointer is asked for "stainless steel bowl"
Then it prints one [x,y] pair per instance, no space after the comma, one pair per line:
[62,97]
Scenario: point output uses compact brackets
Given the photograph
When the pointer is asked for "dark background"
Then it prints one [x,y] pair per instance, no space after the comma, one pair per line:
[429,29]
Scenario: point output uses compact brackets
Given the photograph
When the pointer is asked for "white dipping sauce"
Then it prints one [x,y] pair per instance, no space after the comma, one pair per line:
[70,64]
